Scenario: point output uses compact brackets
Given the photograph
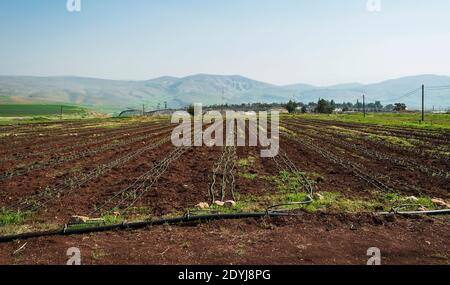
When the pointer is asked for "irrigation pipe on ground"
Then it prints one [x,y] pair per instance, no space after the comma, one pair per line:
[185,219]
[137,225]
[417,213]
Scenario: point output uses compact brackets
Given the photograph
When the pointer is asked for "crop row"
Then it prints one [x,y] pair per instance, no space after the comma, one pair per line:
[86,143]
[45,143]
[126,198]
[223,175]
[71,183]
[404,161]
[74,156]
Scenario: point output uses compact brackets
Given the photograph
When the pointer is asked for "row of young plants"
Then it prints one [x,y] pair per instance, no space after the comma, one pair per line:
[73,156]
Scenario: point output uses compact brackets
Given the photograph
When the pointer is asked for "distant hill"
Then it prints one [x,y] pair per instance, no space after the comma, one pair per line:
[208,89]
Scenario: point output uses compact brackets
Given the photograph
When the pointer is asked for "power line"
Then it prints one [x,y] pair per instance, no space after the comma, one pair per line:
[439,87]
[410,93]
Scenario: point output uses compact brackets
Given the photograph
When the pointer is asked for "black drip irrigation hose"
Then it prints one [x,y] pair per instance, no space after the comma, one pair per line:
[416,213]
[138,225]
[187,218]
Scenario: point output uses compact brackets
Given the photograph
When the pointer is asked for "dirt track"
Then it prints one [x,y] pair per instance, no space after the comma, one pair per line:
[331,238]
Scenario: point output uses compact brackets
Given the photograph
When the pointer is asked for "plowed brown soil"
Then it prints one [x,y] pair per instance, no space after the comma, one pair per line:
[320,238]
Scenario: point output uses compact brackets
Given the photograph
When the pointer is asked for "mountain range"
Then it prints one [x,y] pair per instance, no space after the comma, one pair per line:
[214,89]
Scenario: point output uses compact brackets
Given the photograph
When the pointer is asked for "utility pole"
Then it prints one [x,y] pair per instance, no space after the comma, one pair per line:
[364,105]
[143,110]
[61,112]
[223,99]
[423,103]
[165,105]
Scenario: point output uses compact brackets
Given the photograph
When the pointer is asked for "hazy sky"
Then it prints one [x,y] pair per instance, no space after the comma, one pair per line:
[279,41]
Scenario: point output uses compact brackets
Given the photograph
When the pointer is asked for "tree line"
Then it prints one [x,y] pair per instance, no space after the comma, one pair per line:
[322,106]
[327,107]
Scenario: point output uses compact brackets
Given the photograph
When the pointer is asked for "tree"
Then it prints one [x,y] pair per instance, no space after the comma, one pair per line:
[347,106]
[358,105]
[400,107]
[191,110]
[304,109]
[333,105]
[312,105]
[378,106]
[389,108]
[324,107]
[291,106]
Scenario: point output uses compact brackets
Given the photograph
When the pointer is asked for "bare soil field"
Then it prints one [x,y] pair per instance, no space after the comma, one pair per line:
[120,171]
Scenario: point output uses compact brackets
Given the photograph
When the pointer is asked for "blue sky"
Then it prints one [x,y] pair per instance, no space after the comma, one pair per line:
[320,42]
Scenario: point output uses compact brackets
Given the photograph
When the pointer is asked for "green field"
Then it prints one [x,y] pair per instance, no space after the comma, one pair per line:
[32,110]
[432,121]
